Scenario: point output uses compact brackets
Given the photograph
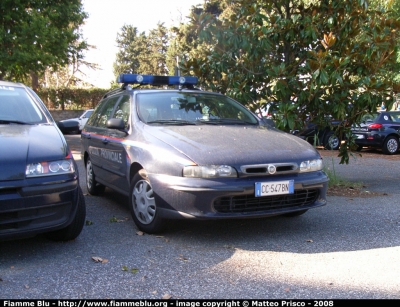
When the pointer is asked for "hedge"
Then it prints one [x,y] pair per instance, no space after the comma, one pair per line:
[71,99]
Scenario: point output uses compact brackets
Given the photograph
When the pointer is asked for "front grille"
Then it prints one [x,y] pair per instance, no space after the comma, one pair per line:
[250,203]
[263,169]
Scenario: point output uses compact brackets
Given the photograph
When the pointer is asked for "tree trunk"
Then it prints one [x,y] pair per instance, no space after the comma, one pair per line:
[35,81]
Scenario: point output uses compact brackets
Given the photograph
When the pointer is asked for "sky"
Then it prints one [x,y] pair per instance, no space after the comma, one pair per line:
[106,18]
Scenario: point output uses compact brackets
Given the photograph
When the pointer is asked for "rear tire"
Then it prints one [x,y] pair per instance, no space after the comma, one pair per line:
[74,229]
[331,141]
[142,204]
[93,187]
[390,146]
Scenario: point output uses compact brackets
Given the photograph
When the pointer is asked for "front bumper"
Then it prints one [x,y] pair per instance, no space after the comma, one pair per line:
[30,207]
[179,197]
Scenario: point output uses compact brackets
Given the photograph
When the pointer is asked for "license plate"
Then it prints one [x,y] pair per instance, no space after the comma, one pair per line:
[274,188]
[360,136]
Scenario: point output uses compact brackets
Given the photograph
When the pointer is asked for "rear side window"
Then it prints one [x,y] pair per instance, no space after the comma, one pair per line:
[17,105]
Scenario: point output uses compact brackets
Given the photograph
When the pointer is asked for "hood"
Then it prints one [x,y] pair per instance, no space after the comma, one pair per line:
[23,144]
[234,145]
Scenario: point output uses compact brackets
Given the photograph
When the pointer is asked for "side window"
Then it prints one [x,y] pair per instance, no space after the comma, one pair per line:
[105,113]
[123,110]
[93,119]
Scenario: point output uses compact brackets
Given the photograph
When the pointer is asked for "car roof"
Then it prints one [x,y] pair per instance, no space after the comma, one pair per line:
[9,83]
[389,112]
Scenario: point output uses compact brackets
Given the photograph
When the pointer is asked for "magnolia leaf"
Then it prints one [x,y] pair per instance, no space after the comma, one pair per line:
[99,259]
[134,270]
[183,258]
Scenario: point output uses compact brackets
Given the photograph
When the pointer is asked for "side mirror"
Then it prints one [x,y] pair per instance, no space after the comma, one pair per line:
[268,121]
[115,123]
[68,126]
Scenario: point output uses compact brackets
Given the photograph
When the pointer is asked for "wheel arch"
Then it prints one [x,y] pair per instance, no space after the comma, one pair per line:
[85,157]
[396,135]
[134,169]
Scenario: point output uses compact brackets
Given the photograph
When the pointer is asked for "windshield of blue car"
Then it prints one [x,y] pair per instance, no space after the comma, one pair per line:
[189,108]
[17,107]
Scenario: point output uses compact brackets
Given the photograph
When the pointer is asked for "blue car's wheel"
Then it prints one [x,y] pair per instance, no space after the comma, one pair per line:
[332,141]
[93,187]
[390,146]
[143,204]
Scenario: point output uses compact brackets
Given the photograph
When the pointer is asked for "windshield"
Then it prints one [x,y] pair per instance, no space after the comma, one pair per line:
[17,107]
[191,109]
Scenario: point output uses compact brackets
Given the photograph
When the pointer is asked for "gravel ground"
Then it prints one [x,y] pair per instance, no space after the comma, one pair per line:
[348,249]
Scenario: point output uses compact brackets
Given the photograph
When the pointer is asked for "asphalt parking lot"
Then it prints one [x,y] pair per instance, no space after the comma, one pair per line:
[349,249]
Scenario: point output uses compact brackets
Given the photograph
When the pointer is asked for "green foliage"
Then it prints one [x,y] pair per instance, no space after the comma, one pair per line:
[139,53]
[310,58]
[39,34]
[131,45]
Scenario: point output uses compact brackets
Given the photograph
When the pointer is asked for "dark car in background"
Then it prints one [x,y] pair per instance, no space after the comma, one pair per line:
[39,183]
[318,136]
[186,153]
[381,130]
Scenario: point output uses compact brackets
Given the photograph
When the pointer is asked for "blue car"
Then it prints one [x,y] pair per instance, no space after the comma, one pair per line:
[380,131]
[39,183]
[182,152]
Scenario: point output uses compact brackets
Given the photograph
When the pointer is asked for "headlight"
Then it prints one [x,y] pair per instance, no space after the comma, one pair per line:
[50,168]
[311,165]
[209,171]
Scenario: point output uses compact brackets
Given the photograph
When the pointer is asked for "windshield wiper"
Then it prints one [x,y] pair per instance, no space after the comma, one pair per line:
[171,122]
[226,121]
[8,121]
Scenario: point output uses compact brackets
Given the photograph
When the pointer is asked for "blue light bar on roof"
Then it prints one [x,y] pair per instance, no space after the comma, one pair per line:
[156,80]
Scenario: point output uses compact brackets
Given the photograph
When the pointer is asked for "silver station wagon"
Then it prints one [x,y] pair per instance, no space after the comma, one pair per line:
[186,153]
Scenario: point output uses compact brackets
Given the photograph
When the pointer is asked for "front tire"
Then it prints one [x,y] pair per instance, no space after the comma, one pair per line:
[93,187]
[142,204]
[390,146]
[74,229]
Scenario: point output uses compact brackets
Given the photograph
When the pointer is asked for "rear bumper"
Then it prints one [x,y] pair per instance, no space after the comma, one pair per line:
[27,210]
[369,139]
